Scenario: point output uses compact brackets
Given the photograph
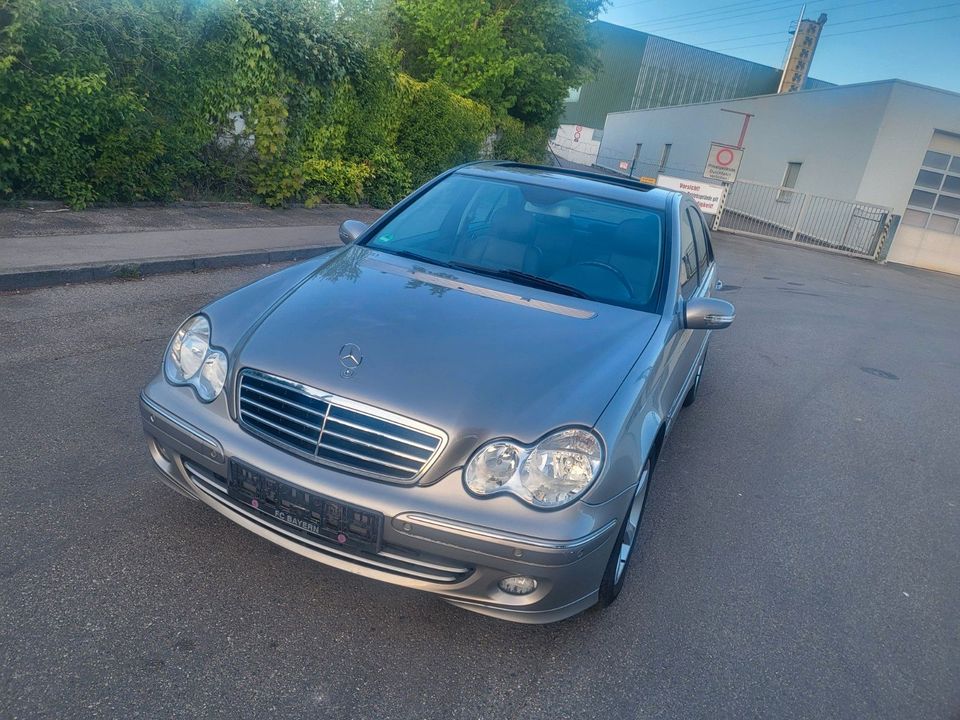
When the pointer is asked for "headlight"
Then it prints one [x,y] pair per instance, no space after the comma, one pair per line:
[212,375]
[191,361]
[552,473]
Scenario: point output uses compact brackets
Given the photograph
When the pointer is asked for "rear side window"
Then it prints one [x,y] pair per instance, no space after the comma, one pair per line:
[706,235]
[703,256]
[688,258]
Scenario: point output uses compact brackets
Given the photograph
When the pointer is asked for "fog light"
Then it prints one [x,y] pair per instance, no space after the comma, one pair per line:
[518,585]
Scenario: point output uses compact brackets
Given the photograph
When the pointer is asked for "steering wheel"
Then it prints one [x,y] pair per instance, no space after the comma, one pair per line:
[616,272]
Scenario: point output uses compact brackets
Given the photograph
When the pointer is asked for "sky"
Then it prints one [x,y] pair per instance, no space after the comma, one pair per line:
[858,43]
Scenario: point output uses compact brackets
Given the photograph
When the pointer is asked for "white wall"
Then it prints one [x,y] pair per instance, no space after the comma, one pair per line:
[860,143]
[912,116]
[576,143]
[901,144]
[831,131]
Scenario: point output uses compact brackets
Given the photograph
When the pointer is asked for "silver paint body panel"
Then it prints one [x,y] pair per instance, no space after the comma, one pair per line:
[475,356]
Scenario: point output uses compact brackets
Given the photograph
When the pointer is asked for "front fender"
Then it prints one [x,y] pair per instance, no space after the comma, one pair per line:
[627,452]
[631,423]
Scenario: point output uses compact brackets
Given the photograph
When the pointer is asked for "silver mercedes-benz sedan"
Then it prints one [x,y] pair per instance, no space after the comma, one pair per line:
[468,399]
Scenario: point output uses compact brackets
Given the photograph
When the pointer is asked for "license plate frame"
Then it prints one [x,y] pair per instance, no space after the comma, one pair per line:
[311,514]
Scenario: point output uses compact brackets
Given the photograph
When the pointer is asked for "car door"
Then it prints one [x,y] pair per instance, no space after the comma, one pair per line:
[683,348]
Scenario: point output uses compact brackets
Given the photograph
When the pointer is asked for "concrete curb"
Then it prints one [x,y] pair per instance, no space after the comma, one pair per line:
[97,272]
[41,205]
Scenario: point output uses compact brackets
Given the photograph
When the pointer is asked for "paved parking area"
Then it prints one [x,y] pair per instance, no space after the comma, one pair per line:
[800,556]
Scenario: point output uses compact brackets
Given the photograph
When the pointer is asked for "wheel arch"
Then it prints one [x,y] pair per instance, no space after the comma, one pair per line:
[652,435]
[654,452]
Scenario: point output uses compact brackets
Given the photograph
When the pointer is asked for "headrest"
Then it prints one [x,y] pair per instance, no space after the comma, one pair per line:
[511,224]
[638,237]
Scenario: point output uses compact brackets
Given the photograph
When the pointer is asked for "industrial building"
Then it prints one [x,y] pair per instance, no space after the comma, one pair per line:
[641,71]
[872,168]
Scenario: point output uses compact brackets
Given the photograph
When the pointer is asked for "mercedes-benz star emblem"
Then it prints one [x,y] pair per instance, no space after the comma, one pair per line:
[350,358]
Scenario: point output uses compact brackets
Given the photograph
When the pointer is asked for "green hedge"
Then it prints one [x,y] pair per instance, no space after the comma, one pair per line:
[437,128]
[119,100]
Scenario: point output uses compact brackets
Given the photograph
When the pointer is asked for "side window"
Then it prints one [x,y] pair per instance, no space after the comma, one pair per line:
[688,257]
[703,257]
[706,235]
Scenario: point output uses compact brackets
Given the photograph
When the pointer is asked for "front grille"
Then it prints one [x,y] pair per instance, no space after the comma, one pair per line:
[392,559]
[335,431]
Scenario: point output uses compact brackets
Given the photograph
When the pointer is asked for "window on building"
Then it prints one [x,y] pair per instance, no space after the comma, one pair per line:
[801,64]
[943,223]
[915,218]
[790,176]
[929,179]
[804,52]
[796,77]
[948,204]
[665,156]
[936,160]
[951,184]
[922,198]
[934,203]
[636,158]
[807,40]
[598,135]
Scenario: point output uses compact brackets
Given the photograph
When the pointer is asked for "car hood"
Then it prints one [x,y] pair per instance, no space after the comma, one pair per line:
[475,356]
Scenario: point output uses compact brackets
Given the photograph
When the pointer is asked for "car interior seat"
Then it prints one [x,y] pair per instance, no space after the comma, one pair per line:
[506,243]
[635,251]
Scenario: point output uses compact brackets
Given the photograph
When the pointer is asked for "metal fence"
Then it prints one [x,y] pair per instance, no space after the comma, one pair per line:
[780,213]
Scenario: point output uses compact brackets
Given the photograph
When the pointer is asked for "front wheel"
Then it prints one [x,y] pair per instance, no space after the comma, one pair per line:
[612,582]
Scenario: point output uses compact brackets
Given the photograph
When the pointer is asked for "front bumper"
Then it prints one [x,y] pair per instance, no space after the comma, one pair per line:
[435,538]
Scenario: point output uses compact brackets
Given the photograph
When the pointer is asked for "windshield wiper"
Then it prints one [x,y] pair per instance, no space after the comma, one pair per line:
[517,276]
[521,277]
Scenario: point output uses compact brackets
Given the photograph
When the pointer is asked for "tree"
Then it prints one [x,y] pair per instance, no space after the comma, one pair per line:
[519,57]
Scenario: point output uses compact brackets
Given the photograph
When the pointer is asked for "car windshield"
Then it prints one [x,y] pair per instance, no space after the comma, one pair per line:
[559,240]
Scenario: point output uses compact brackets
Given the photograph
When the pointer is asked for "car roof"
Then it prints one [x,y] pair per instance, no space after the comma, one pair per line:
[614,187]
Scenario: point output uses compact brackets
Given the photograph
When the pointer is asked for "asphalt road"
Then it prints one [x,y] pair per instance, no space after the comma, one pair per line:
[800,556]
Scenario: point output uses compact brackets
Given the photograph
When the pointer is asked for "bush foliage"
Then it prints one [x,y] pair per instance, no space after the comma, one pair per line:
[280,100]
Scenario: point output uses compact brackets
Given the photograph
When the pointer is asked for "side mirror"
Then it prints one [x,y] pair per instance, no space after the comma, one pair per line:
[350,230]
[708,314]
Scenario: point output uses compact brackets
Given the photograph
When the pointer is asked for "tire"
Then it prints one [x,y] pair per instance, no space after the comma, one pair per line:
[695,388]
[619,562]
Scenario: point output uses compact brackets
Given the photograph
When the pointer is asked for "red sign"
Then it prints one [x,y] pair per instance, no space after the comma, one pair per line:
[724,157]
